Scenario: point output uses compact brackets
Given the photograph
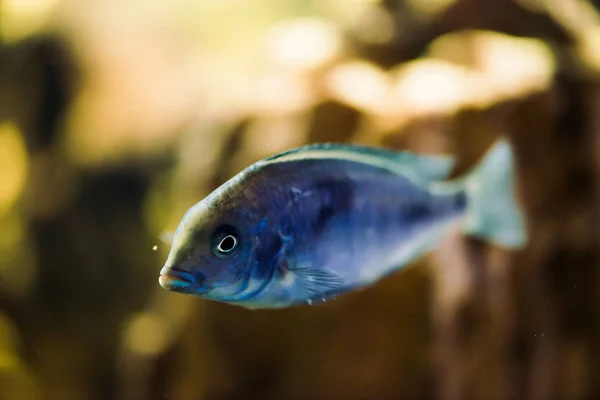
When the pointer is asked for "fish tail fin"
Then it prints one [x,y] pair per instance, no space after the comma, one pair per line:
[492,211]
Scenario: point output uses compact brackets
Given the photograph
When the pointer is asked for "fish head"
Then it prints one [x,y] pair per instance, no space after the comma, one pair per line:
[210,252]
[217,246]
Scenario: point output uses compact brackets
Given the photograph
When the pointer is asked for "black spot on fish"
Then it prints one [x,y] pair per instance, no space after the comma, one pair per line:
[325,214]
[415,211]
[423,209]
[460,201]
[336,198]
[267,254]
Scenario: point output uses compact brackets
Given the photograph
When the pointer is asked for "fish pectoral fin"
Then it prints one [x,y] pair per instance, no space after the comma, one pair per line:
[319,285]
[313,301]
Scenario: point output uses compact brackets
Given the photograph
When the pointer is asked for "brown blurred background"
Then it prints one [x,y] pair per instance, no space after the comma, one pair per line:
[115,117]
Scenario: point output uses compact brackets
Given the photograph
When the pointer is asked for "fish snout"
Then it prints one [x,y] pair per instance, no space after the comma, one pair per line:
[176,280]
[171,278]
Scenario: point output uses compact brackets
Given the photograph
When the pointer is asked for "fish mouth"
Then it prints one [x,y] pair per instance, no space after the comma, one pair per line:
[180,281]
[175,280]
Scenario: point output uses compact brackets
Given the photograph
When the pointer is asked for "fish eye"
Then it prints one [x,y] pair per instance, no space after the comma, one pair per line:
[225,241]
[227,244]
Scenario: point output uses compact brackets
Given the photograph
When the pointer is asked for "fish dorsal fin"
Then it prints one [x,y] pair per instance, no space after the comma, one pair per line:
[418,167]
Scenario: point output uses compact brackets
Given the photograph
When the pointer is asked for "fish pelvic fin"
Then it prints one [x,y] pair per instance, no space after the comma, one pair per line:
[493,212]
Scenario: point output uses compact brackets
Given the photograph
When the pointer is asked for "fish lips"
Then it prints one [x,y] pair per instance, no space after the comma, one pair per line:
[180,281]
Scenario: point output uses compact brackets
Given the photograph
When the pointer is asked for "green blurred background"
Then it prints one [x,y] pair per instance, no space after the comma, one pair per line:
[115,117]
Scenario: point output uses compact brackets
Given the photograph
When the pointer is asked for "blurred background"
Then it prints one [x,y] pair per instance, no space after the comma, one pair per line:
[116,117]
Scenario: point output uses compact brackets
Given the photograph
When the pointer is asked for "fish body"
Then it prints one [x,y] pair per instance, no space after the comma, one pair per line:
[313,223]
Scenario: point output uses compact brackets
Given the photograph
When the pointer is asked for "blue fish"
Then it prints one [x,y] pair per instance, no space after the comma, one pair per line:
[312,223]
